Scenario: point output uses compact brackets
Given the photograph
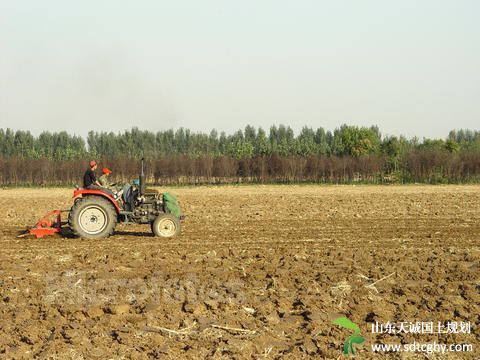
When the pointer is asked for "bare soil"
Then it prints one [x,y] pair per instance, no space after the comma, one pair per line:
[258,272]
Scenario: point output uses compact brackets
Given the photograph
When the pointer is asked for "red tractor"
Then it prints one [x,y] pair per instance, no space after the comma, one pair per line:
[95,213]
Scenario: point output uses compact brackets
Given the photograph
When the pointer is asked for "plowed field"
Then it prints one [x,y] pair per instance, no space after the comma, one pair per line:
[258,272]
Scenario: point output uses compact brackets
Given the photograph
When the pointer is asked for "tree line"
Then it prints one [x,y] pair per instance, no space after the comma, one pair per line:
[347,154]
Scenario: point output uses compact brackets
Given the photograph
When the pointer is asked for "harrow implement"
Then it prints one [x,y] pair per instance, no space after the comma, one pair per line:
[49,224]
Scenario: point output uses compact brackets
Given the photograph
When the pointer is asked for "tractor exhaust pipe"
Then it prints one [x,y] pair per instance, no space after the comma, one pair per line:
[142,180]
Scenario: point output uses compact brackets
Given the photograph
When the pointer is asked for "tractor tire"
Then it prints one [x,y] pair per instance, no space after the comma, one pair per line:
[92,217]
[166,226]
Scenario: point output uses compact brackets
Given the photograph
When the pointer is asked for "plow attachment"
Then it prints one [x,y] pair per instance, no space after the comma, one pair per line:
[49,224]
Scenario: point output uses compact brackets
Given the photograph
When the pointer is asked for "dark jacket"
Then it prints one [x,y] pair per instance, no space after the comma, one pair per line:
[89,178]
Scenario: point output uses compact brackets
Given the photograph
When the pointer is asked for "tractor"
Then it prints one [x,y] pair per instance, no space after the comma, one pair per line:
[96,212]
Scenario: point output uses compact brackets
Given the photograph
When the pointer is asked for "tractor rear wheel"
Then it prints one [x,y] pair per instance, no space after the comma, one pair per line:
[166,226]
[92,217]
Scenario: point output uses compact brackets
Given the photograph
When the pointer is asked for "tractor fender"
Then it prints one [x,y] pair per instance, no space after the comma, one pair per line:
[78,193]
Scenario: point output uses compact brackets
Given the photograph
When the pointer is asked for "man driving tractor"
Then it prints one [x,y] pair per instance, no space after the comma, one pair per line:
[103,180]
[97,210]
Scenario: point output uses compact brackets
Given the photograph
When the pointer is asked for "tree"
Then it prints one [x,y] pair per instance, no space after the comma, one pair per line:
[262,145]
[322,141]
[305,142]
[357,141]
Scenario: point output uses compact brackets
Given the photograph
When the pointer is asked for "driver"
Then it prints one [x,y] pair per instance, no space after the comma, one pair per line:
[103,180]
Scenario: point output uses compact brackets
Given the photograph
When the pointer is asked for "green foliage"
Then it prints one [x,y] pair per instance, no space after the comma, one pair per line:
[305,144]
[357,141]
[251,142]
[261,143]
[56,146]
[452,146]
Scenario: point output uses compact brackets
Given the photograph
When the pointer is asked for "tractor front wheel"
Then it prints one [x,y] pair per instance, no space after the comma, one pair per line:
[166,226]
[92,217]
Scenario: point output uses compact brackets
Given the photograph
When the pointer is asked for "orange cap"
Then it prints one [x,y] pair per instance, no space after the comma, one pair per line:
[106,171]
[93,163]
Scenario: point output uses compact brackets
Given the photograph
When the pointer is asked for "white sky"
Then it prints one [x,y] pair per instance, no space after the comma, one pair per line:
[411,67]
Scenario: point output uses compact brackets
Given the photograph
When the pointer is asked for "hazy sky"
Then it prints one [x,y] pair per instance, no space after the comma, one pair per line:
[412,66]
